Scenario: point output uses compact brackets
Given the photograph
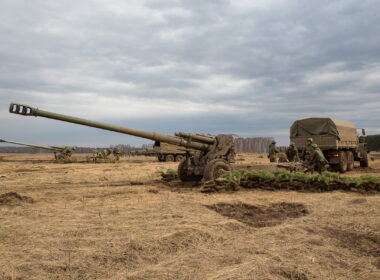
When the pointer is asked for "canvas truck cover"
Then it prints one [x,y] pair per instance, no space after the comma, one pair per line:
[344,131]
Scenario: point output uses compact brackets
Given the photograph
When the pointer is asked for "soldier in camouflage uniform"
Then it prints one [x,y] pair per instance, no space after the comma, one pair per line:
[307,153]
[292,153]
[273,152]
[106,153]
[117,153]
[318,159]
[96,155]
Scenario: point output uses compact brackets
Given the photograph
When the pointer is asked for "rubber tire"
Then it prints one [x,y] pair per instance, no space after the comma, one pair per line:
[350,161]
[342,162]
[183,175]
[178,158]
[214,169]
[364,160]
[169,158]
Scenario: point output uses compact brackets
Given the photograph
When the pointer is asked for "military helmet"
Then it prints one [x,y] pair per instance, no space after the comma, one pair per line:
[310,140]
[314,145]
[273,142]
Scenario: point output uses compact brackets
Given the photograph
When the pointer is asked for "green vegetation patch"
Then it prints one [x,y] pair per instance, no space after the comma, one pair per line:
[168,175]
[283,179]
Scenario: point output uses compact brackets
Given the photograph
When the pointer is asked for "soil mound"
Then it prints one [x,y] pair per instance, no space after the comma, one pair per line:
[285,180]
[299,185]
[12,198]
[260,216]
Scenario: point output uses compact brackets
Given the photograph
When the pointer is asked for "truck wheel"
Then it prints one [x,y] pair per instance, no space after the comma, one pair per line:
[183,173]
[160,158]
[350,161]
[169,158]
[178,158]
[214,169]
[364,160]
[342,162]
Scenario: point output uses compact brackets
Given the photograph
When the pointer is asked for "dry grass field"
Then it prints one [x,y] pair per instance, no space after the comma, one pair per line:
[119,221]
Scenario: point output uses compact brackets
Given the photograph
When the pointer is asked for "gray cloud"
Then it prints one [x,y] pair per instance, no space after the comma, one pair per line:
[245,67]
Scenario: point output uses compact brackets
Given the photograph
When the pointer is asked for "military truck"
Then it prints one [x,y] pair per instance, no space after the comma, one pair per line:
[170,152]
[337,139]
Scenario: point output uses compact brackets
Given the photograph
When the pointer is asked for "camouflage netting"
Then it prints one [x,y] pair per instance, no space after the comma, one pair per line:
[344,131]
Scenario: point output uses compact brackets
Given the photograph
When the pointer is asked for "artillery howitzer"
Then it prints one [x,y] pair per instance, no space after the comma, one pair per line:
[211,159]
[59,152]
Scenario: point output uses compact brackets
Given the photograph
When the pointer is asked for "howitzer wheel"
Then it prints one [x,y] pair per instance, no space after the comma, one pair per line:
[364,160]
[183,173]
[214,169]
[342,166]
[179,158]
[169,158]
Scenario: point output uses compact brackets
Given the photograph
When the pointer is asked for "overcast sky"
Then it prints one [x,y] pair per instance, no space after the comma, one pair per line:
[241,66]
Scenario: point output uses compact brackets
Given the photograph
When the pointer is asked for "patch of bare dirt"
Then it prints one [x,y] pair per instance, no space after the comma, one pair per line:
[367,244]
[12,198]
[260,216]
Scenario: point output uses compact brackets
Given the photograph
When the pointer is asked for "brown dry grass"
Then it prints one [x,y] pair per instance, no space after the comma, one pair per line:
[117,221]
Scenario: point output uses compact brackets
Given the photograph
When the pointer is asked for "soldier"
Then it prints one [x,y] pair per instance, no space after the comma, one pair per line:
[308,151]
[273,152]
[318,159]
[106,153]
[95,155]
[117,153]
[292,153]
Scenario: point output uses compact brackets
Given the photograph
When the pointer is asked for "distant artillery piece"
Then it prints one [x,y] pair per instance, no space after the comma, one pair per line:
[60,153]
[211,159]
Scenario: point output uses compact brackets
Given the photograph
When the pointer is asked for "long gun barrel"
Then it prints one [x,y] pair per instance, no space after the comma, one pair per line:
[197,137]
[51,148]
[30,111]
